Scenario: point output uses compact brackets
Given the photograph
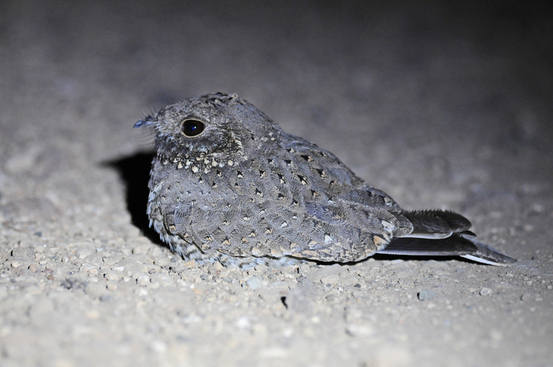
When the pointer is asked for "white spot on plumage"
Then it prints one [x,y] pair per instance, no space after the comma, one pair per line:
[389,227]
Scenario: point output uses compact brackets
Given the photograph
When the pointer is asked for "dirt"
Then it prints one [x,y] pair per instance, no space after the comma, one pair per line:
[441,107]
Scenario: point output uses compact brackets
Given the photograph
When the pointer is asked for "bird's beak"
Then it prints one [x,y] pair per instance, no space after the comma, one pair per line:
[141,123]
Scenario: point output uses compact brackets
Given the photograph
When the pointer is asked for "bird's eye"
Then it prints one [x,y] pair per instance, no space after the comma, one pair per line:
[191,127]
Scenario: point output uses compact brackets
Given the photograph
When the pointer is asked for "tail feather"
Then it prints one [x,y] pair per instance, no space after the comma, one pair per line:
[435,224]
[459,244]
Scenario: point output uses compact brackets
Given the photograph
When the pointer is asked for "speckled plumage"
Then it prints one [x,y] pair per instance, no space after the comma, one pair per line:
[245,188]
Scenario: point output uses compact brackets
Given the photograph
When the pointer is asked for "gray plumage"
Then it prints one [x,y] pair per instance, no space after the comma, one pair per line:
[227,181]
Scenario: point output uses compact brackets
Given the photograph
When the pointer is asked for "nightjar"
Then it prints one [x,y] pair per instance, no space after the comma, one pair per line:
[228,183]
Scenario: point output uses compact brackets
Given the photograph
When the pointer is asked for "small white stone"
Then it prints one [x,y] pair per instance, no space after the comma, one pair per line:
[273,352]
[230,163]
[159,346]
[143,280]
[257,252]
[485,291]
[195,169]
[359,329]
[254,283]
[243,323]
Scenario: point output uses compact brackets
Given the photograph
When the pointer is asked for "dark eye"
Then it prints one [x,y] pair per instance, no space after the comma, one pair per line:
[192,127]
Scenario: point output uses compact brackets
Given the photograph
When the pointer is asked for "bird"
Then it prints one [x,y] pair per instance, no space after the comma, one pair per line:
[228,183]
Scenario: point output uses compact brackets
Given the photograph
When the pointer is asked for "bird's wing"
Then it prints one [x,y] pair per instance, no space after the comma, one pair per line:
[339,217]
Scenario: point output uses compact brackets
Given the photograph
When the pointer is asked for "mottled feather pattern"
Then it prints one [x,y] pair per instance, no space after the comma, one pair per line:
[228,182]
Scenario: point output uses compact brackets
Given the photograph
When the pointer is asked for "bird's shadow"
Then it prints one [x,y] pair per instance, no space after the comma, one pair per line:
[134,170]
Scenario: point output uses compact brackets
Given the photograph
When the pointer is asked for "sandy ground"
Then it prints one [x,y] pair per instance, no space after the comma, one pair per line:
[441,108]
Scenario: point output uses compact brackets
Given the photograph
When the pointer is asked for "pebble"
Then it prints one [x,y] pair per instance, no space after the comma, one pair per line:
[189,264]
[96,289]
[485,292]
[163,261]
[72,283]
[141,292]
[288,332]
[105,298]
[92,314]
[524,297]
[63,363]
[260,330]
[159,346]
[254,283]
[84,252]
[161,278]
[425,295]
[496,335]
[90,269]
[33,268]
[112,275]
[143,280]
[140,249]
[537,208]
[24,160]
[119,268]
[243,323]
[330,279]
[273,352]
[359,329]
